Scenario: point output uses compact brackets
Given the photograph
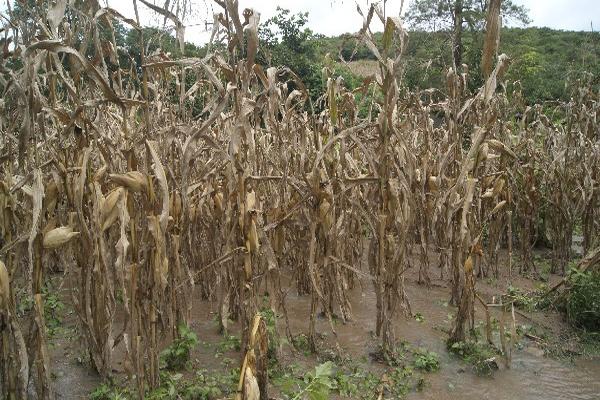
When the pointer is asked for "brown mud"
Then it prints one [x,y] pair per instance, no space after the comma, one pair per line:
[532,374]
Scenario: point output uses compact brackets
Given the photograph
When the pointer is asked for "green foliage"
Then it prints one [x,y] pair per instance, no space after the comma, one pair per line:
[439,14]
[426,360]
[202,386]
[523,300]
[229,343]
[106,392]
[349,378]
[479,355]
[270,318]
[301,343]
[312,385]
[528,301]
[285,40]
[346,384]
[419,317]
[547,63]
[168,388]
[583,300]
[177,355]
[53,307]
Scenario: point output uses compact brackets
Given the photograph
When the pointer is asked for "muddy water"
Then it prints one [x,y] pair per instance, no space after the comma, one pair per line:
[531,376]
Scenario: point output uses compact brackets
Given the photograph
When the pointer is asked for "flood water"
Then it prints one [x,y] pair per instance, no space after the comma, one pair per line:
[531,376]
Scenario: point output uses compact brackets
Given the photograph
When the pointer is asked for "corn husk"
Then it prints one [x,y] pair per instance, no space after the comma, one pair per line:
[4,287]
[501,147]
[498,207]
[134,181]
[253,243]
[51,196]
[498,186]
[483,152]
[101,173]
[433,183]
[175,205]
[57,237]
[109,212]
[325,214]
[488,194]
[468,265]
[250,200]
[218,203]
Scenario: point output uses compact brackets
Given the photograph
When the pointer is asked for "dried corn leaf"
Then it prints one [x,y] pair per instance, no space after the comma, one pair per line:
[159,171]
[4,288]
[38,195]
[57,47]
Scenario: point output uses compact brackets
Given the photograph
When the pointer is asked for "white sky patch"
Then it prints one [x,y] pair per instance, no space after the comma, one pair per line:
[327,17]
[573,15]
[334,17]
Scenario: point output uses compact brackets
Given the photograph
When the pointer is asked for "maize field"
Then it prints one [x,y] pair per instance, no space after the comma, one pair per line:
[147,186]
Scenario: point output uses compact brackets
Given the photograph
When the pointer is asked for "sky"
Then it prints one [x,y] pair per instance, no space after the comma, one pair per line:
[333,17]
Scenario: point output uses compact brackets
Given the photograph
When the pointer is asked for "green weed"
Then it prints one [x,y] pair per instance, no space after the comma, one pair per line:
[177,355]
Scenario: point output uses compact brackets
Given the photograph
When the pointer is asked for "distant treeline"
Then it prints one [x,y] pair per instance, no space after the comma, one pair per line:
[544,60]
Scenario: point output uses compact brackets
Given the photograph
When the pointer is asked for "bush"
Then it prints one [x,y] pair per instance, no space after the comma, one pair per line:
[426,360]
[107,392]
[583,300]
[480,355]
[177,355]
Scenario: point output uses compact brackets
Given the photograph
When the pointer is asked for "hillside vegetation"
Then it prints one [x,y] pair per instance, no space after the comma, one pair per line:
[546,61]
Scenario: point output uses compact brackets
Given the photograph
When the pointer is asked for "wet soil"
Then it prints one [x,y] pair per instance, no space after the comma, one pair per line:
[532,374]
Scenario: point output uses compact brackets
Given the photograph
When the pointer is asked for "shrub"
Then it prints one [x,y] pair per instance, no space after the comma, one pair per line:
[177,355]
[480,356]
[426,360]
[583,300]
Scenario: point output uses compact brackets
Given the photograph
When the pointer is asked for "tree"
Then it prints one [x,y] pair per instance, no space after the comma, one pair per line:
[454,15]
[285,40]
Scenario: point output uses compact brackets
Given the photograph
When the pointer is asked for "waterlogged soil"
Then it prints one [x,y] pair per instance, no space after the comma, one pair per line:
[532,374]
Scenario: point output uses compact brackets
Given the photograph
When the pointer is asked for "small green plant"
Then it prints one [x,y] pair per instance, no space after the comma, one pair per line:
[399,382]
[480,356]
[52,308]
[229,343]
[419,317]
[583,300]
[211,386]
[301,343]
[395,357]
[528,301]
[318,384]
[346,383]
[177,355]
[168,388]
[426,360]
[106,392]
[204,386]
[270,319]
